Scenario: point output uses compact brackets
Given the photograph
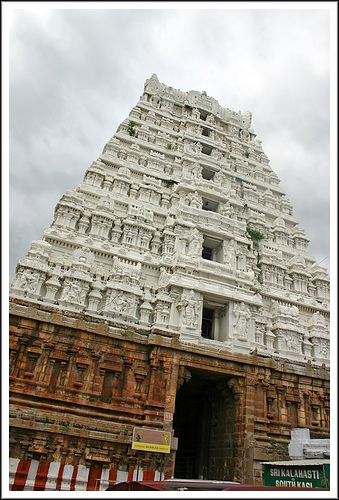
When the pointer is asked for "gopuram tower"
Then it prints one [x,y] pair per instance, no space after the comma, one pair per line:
[173,292]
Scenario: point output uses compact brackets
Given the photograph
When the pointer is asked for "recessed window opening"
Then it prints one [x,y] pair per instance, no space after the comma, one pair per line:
[215,320]
[212,249]
[207,253]
[210,205]
[207,323]
[206,150]
[203,115]
[206,132]
[207,174]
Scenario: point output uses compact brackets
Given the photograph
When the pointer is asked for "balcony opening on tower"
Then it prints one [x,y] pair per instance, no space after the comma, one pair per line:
[210,205]
[206,150]
[207,174]
[215,319]
[212,249]
[207,323]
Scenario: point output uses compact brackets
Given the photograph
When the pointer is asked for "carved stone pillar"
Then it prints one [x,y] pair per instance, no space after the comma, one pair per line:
[236,385]
[154,365]
[23,342]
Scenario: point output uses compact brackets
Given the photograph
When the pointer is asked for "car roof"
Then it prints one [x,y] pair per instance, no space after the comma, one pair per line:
[197,485]
[172,484]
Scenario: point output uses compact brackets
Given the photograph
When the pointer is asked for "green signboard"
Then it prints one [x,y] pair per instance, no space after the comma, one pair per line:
[297,474]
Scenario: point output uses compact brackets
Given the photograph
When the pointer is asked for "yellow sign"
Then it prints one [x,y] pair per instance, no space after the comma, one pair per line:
[151,440]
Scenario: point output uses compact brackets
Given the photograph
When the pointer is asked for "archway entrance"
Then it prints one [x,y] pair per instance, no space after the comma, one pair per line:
[204,422]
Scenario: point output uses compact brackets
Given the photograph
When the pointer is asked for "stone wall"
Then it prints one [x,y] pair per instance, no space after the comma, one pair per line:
[79,387]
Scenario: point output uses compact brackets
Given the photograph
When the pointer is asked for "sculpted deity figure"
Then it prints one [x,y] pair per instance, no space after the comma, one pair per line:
[195,199]
[196,170]
[244,135]
[230,256]
[163,277]
[73,292]
[222,179]
[29,281]
[210,119]
[195,114]
[318,319]
[195,242]
[292,344]
[119,303]
[196,147]
[190,309]
[241,323]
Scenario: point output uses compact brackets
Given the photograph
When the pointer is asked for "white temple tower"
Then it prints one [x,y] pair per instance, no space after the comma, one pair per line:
[181,225]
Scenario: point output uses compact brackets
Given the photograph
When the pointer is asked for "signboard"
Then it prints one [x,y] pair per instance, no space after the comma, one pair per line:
[297,474]
[151,440]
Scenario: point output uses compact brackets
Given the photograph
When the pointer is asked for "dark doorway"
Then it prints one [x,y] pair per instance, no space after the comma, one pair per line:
[204,425]
[207,323]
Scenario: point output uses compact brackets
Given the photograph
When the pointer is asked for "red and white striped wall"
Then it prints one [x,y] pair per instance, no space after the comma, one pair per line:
[32,475]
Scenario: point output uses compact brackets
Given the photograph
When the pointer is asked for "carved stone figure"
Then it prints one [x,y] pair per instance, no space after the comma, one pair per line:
[29,281]
[241,323]
[190,309]
[195,243]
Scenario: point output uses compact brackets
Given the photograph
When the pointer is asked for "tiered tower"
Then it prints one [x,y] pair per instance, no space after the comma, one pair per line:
[181,224]
[180,229]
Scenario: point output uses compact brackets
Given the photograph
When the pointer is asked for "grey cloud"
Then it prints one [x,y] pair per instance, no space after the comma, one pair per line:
[76,74]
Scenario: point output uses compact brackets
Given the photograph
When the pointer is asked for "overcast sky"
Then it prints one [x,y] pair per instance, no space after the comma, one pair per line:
[76,71]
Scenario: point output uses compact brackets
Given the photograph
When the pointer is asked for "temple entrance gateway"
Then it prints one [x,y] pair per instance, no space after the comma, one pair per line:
[204,423]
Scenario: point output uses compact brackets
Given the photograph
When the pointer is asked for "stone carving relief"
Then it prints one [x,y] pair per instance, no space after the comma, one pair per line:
[153,85]
[221,179]
[53,284]
[241,323]
[195,114]
[94,178]
[193,199]
[293,343]
[95,296]
[116,231]
[217,155]
[317,320]
[195,241]
[162,312]
[287,312]
[120,303]
[184,375]
[123,289]
[164,277]
[192,172]
[32,270]
[193,147]
[189,307]
[28,281]
[319,335]
[230,254]
[321,348]
[74,292]
[68,210]
[246,120]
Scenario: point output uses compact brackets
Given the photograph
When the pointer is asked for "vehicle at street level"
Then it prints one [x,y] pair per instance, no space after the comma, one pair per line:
[195,485]
[172,485]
